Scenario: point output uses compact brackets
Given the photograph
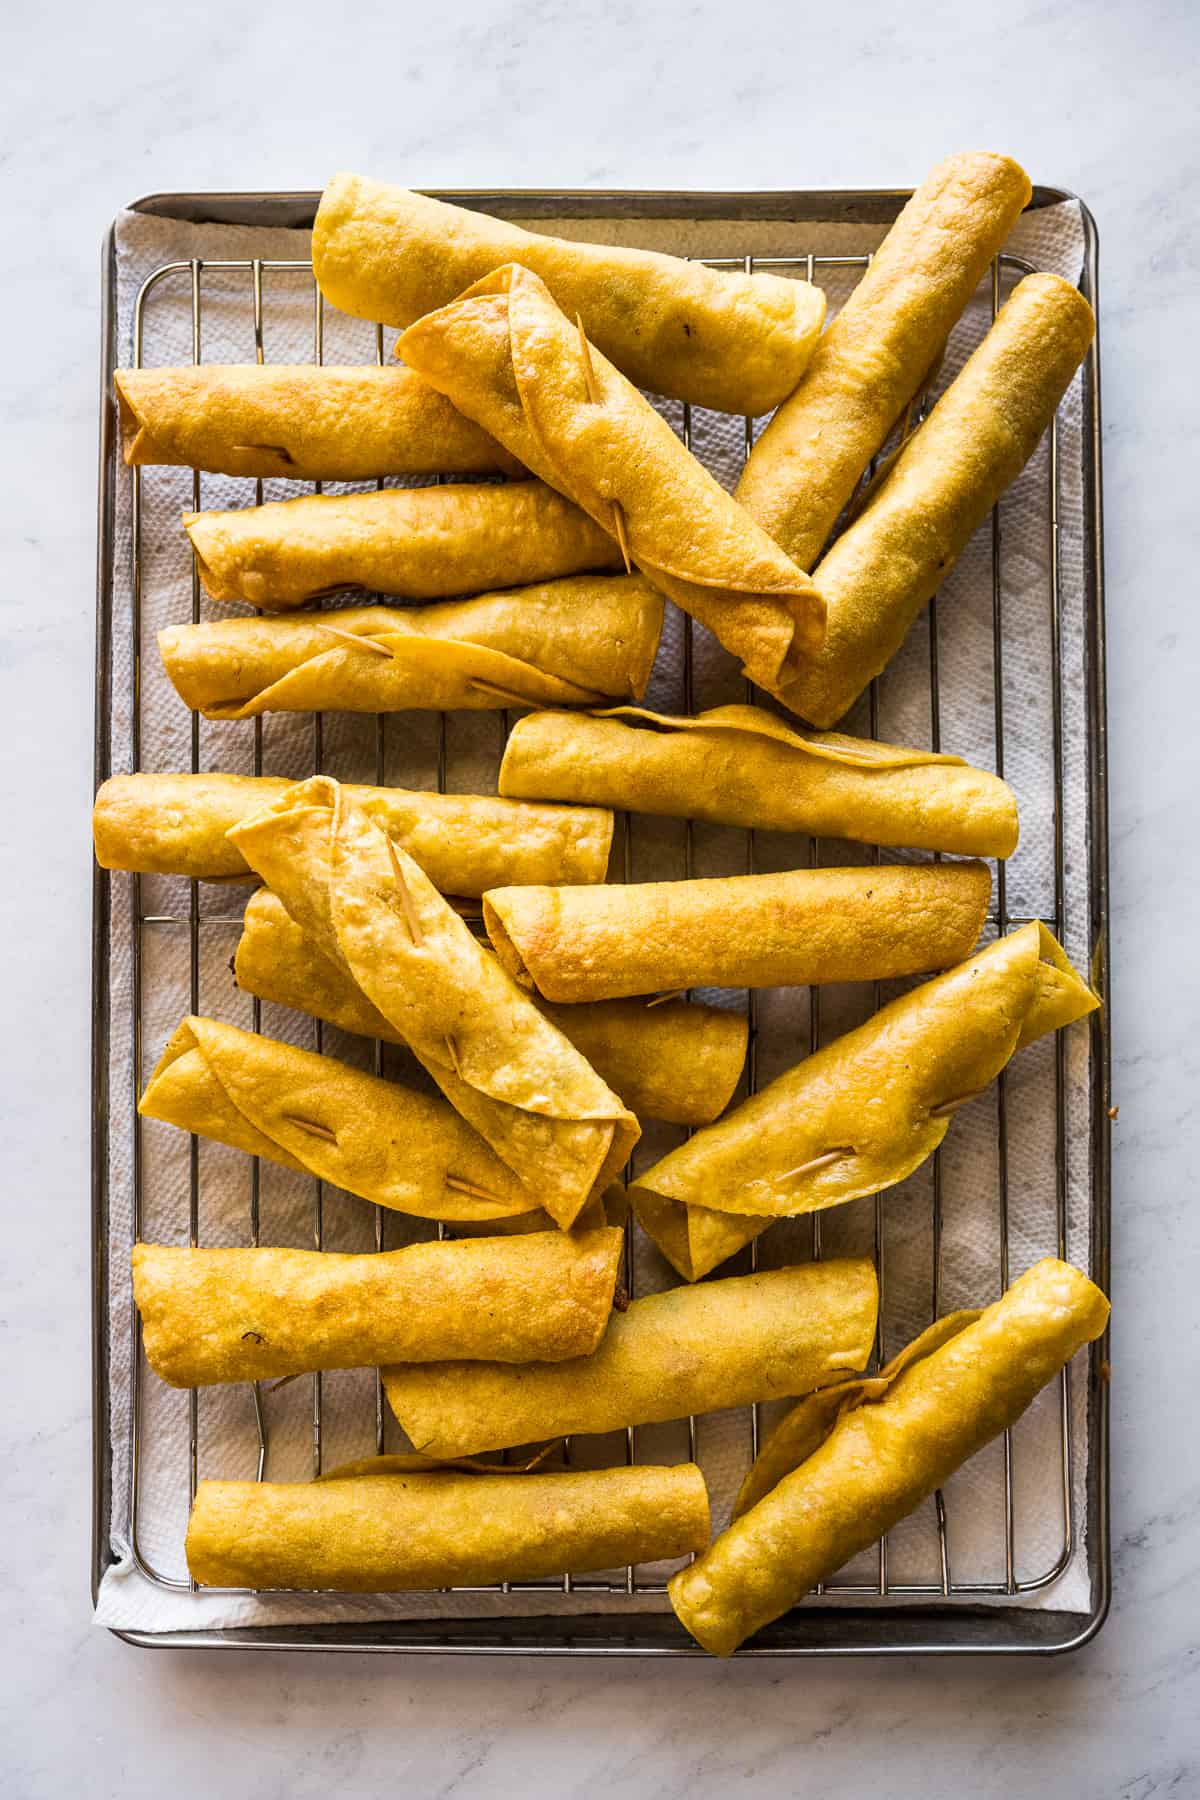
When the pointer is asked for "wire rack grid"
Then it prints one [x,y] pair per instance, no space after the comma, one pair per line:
[862,1584]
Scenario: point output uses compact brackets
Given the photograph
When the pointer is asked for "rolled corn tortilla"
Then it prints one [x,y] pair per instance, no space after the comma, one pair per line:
[689,1350]
[864,1111]
[879,350]
[805,1428]
[243,1315]
[557,643]
[729,340]
[367,906]
[429,543]
[740,765]
[509,358]
[675,1060]
[374,1138]
[892,559]
[385,1532]
[805,926]
[466,843]
[863,1470]
[309,422]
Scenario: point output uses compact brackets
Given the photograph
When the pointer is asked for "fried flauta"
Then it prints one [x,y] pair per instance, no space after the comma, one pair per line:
[740,765]
[690,1350]
[466,843]
[725,339]
[309,422]
[864,1111]
[845,1466]
[363,1531]
[805,926]
[557,643]
[427,543]
[675,1060]
[892,559]
[368,907]
[880,349]
[373,1138]
[510,359]
[242,1315]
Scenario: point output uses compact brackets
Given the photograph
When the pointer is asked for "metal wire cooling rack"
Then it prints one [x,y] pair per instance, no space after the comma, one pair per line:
[933,1614]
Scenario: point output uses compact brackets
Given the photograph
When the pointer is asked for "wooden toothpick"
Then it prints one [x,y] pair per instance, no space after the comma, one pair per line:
[818,1162]
[311,1127]
[506,694]
[406,899]
[951,1106]
[459,1186]
[360,643]
[280,450]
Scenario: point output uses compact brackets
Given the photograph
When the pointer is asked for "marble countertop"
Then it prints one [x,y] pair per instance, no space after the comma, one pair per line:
[1091,96]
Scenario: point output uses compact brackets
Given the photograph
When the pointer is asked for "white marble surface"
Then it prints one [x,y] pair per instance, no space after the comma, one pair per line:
[1096,97]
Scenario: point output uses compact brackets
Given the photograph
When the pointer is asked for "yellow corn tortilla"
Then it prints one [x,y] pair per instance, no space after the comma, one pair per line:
[725,339]
[466,843]
[863,1112]
[367,906]
[557,643]
[805,1428]
[508,358]
[856,1474]
[689,1350]
[740,765]
[805,926]
[374,1138]
[675,1060]
[243,1315]
[304,421]
[428,543]
[880,349]
[387,1531]
[892,559]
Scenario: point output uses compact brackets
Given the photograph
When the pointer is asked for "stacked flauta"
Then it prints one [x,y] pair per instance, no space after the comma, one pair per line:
[543,1007]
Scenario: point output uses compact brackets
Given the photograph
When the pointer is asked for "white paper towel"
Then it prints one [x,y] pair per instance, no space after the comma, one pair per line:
[406,751]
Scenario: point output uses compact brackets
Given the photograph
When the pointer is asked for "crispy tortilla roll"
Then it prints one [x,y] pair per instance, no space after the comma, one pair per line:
[805,926]
[382,1533]
[806,1426]
[430,543]
[374,1138]
[863,1112]
[740,765]
[508,358]
[690,1350]
[305,421]
[880,348]
[558,643]
[952,471]
[676,1060]
[466,843]
[857,1468]
[241,1315]
[729,340]
[367,906]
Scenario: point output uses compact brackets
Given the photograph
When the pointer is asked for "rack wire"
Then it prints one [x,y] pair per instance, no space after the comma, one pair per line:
[880,1584]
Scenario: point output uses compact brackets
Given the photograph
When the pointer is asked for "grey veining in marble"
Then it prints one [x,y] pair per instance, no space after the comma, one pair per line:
[1092,96]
